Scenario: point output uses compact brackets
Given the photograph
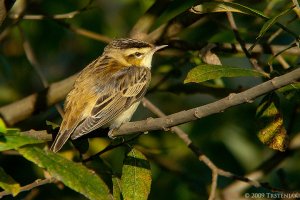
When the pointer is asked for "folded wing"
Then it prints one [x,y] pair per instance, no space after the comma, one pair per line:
[126,87]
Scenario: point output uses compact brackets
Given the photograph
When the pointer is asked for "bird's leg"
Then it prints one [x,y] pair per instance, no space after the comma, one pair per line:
[111,134]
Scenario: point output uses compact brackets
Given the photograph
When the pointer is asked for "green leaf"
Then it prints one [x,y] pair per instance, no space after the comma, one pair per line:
[14,139]
[136,176]
[291,92]
[289,88]
[2,126]
[272,58]
[222,37]
[206,72]
[214,6]
[73,175]
[271,22]
[116,188]
[52,124]
[209,7]
[271,130]
[8,183]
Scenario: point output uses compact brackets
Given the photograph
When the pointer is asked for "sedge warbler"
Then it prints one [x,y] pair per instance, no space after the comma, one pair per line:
[108,91]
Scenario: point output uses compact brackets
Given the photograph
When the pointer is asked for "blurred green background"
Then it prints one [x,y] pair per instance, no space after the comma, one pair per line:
[229,138]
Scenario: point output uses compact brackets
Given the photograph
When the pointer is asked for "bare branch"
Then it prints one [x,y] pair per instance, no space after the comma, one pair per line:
[260,48]
[216,171]
[36,65]
[214,184]
[185,138]
[30,186]
[32,58]
[5,6]
[251,59]
[235,48]
[40,135]
[295,2]
[164,123]
[142,26]
[174,26]
[85,32]
[24,108]
[232,190]
[3,11]
[68,15]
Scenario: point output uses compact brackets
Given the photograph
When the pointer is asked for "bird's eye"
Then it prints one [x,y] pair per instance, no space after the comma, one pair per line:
[138,54]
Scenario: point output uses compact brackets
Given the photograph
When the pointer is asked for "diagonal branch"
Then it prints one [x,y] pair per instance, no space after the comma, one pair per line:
[84,32]
[145,22]
[170,121]
[68,15]
[5,6]
[30,186]
[164,123]
[174,26]
[31,57]
[24,108]
[185,138]
[216,171]
[251,59]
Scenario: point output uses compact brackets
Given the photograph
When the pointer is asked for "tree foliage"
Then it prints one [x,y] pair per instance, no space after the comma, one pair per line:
[217,53]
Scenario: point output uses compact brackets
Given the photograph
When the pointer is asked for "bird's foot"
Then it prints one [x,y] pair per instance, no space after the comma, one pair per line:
[111,134]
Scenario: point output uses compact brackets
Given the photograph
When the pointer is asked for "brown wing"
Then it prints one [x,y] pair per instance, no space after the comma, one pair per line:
[77,101]
[111,97]
[126,87]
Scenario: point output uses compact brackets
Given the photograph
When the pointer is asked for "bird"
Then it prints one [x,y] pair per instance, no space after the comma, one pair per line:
[107,91]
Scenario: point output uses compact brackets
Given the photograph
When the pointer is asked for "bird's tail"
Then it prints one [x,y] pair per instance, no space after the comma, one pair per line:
[60,140]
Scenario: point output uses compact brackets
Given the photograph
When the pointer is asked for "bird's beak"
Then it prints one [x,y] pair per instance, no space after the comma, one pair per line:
[148,57]
[159,47]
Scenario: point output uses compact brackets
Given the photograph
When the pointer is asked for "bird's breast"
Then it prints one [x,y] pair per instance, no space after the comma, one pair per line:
[124,116]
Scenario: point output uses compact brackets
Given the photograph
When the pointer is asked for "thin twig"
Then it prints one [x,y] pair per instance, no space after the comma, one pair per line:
[174,26]
[85,32]
[295,2]
[24,108]
[274,35]
[145,22]
[5,33]
[36,183]
[269,164]
[110,147]
[32,58]
[5,6]
[68,15]
[259,48]
[282,61]
[32,194]
[36,65]
[294,44]
[277,56]
[203,158]
[185,138]
[40,135]
[231,47]
[57,18]
[251,59]
[213,188]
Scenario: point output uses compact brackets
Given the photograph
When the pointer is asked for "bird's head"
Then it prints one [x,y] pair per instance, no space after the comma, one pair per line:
[131,52]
